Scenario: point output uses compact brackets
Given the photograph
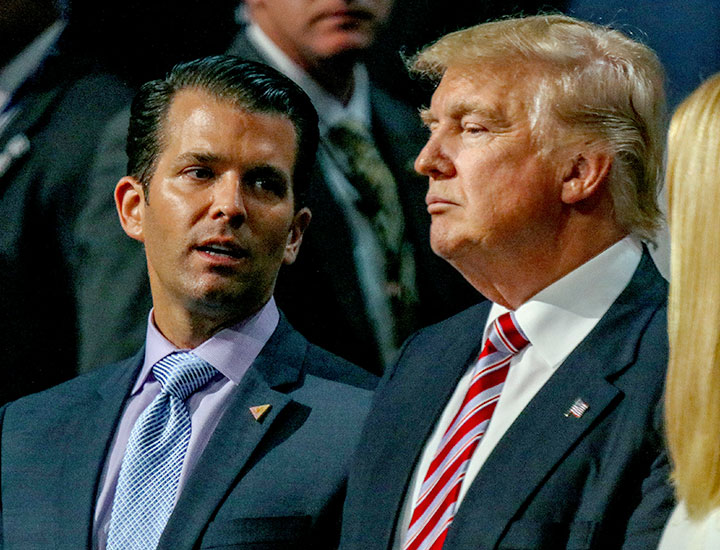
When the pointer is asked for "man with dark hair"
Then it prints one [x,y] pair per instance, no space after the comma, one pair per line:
[251,89]
[228,428]
[367,277]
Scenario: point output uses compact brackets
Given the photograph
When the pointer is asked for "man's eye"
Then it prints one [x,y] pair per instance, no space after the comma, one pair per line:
[199,173]
[271,184]
[267,181]
[474,128]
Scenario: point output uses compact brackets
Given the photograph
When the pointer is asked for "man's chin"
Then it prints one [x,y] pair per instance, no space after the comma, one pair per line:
[228,302]
[344,45]
[443,246]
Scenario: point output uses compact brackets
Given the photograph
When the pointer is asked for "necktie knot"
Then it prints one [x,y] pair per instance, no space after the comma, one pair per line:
[182,373]
[505,337]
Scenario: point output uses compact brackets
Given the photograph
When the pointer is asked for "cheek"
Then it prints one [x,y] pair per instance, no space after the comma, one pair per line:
[158,243]
[273,228]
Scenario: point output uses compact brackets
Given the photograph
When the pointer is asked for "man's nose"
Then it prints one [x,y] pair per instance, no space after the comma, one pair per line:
[228,199]
[433,160]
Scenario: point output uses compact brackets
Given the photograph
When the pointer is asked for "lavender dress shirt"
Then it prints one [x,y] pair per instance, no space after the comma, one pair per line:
[231,351]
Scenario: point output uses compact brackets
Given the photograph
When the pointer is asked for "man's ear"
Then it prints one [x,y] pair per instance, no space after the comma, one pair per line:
[584,176]
[130,204]
[300,223]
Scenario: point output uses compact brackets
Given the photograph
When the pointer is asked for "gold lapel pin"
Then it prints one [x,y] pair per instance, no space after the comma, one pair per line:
[260,411]
[577,409]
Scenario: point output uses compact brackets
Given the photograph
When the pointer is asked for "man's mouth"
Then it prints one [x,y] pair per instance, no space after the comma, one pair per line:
[349,16]
[437,204]
[223,250]
[436,199]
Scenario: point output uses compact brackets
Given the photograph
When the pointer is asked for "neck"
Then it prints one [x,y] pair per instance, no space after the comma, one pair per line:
[336,76]
[188,329]
[334,73]
[511,280]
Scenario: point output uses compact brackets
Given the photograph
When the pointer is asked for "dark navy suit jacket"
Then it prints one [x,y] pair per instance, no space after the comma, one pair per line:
[553,481]
[278,483]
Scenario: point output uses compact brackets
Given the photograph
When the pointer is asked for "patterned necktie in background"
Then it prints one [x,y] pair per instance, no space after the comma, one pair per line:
[150,471]
[379,201]
[436,503]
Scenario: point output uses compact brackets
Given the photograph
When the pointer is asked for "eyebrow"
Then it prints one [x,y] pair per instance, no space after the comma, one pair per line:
[426,116]
[203,158]
[269,169]
[462,108]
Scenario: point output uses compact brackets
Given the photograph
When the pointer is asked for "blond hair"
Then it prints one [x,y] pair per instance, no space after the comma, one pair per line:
[603,87]
[693,387]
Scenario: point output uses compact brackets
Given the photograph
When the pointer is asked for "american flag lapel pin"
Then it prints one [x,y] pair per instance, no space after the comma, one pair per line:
[577,409]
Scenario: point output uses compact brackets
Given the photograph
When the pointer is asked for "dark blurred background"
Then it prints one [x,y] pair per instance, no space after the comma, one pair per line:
[141,39]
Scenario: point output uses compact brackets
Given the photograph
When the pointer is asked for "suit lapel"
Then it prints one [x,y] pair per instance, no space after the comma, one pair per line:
[87,433]
[585,374]
[399,139]
[232,447]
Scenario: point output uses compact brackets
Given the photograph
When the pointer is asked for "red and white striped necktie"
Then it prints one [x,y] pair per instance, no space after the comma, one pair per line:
[435,507]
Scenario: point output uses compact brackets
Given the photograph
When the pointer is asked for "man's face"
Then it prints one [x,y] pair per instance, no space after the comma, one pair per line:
[490,191]
[309,31]
[220,217]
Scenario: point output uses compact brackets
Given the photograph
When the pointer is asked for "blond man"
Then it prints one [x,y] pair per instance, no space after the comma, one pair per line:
[531,421]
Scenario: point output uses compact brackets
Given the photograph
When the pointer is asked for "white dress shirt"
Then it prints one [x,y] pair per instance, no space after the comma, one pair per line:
[555,321]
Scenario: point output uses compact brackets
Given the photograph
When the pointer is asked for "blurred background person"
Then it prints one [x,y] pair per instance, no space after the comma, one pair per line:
[53,105]
[370,276]
[693,386]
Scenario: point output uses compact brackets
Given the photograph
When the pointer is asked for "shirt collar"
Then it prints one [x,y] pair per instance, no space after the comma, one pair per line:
[329,108]
[561,315]
[231,351]
[27,62]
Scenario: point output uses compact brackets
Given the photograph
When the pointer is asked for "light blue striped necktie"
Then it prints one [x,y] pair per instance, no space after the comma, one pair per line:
[150,470]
